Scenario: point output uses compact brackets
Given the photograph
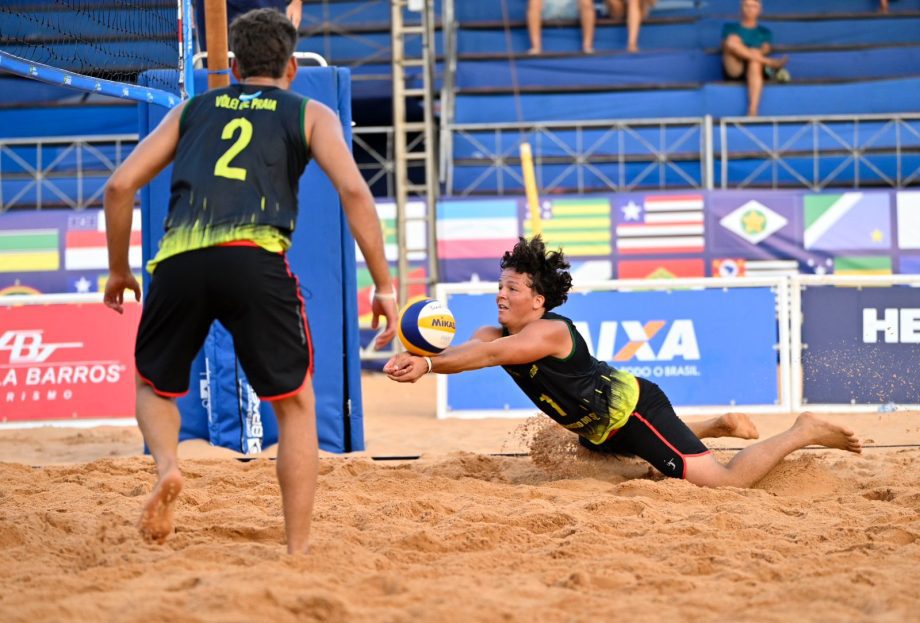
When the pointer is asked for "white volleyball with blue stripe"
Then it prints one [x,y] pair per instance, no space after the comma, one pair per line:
[426,326]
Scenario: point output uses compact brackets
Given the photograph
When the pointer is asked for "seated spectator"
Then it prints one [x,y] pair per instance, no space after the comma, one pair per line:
[745,49]
[539,10]
[292,8]
[635,11]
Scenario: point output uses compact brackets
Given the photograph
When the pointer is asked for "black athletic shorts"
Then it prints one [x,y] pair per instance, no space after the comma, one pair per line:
[254,295]
[655,433]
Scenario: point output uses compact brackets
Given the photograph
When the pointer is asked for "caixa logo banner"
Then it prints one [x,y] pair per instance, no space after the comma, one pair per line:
[66,361]
[703,347]
[861,345]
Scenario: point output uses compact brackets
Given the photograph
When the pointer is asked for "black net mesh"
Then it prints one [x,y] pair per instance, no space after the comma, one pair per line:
[111,40]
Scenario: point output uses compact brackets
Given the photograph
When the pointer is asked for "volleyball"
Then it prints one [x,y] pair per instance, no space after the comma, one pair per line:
[426,327]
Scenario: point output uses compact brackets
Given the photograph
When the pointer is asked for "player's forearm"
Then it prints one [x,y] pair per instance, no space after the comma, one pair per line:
[468,356]
[118,204]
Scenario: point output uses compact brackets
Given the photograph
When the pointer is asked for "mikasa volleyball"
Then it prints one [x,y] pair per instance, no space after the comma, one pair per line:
[426,326]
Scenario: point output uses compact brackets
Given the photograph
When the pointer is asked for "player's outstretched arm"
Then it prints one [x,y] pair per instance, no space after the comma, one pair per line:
[539,339]
[324,134]
[149,158]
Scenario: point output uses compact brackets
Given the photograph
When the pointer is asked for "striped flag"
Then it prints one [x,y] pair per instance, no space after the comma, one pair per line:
[862,265]
[85,245]
[660,269]
[737,267]
[476,229]
[29,250]
[661,224]
[581,226]
[416,242]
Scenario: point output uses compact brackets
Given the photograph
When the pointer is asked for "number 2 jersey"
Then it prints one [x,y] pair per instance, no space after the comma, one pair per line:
[579,392]
[237,168]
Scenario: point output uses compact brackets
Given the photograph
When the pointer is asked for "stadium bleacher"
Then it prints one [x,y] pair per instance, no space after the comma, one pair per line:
[845,58]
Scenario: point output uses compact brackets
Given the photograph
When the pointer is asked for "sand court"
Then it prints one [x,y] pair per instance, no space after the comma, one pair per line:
[470,531]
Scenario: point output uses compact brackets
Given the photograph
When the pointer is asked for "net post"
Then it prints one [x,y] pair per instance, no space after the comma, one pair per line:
[215,21]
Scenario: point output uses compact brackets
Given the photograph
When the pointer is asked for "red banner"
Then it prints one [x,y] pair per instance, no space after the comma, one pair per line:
[66,361]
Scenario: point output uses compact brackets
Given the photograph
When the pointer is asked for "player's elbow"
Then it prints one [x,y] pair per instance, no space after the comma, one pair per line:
[118,187]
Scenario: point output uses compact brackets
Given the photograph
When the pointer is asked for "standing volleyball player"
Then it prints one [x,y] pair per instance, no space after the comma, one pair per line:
[611,410]
[238,156]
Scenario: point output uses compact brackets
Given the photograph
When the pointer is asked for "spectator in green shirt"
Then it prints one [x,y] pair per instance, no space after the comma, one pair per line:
[745,54]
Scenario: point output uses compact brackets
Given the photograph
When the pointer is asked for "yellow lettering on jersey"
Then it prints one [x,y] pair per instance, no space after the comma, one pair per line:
[553,404]
[533,370]
[264,104]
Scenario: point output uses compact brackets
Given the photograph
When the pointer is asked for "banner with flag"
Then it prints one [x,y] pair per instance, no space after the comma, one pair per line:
[910,265]
[759,226]
[659,224]
[740,267]
[867,265]
[909,219]
[580,225]
[660,269]
[85,244]
[29,250]
[852,221]
[483,228]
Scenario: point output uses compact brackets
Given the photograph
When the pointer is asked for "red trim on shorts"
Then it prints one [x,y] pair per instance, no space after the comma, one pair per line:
[156,391]
[666,442]
[303,315]
[238,243]
[289,394]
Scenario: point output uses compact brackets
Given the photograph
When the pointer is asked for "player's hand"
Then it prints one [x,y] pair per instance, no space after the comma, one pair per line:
[115,288]
[405,368]
[384,307]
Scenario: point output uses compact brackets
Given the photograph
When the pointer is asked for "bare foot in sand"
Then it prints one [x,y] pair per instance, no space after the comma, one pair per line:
[824,433]
[737,425]
[156,522]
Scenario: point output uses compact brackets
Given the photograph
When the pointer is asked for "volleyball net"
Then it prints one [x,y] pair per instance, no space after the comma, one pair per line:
[102,47]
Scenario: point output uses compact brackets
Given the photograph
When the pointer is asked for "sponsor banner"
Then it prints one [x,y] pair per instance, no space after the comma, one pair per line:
[861,345]
[909,219]
[847,221]
[659,224]
[66,361]
[703,347]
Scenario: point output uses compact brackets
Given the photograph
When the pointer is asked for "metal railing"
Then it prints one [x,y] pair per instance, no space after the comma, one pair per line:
[583,156]
[820,152]
[59,172]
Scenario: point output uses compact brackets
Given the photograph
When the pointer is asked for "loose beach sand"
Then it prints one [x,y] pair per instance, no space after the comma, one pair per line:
[470,531]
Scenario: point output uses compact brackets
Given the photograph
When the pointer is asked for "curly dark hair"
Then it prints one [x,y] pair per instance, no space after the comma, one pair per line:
[262,41]
[547,270]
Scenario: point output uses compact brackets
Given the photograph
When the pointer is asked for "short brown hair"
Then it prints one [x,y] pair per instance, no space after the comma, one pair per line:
[262,40]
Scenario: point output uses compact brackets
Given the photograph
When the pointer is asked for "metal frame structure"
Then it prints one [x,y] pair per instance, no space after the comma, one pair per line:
[660,157]
[406,133]
[857,139]
[42,174]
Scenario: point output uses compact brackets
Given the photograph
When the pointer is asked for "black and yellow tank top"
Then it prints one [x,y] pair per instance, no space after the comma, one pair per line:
[237,169]
[579,392]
